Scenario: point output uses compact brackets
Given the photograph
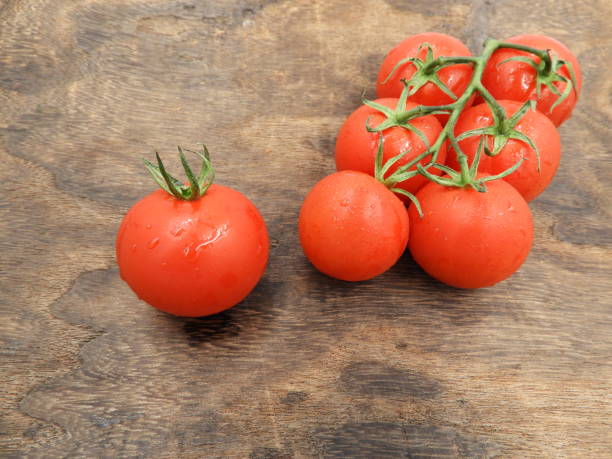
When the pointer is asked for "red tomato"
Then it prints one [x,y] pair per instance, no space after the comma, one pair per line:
[352,227]
[193,258]
[455,77]
[470,239]
[356,147]
[526,179]
[516,80]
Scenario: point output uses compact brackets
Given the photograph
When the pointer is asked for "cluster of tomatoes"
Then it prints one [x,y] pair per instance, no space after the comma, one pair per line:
[465,141]
[198,248]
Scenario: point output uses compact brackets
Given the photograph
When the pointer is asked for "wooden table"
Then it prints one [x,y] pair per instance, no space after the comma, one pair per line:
[400,366]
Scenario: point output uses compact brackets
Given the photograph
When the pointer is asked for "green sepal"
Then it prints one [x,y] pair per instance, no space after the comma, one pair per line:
[173,184]
[503,174]
[451,172]
[197,186]
[412,198]
[379,107]
[194,187]
[523,138]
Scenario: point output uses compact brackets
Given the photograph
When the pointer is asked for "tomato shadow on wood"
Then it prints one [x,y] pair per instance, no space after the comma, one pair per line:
[403,292]
[250,314]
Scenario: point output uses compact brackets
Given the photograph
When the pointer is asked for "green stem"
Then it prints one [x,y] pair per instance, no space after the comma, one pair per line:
[542,54]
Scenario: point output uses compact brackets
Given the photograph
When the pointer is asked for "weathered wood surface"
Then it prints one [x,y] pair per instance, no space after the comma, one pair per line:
[400,366]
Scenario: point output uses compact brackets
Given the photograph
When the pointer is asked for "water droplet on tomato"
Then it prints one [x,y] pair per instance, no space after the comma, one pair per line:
[133,247]
[344,202]
[176,232]
[208,239]
[149,226]
[186,250]
[153,243]
[164,264]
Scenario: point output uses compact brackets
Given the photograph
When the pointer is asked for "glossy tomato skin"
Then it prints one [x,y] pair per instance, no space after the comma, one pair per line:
[470,239]
[516,80]
[193,258]
[456,77]
[356,148]
[527,179]
[352,227]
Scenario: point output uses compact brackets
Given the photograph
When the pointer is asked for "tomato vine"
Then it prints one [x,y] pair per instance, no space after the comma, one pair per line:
[503,128]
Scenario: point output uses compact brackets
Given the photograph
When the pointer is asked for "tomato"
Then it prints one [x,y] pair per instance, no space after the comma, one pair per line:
[455,77]
[352,227]
[526,179]
[356,147]
[516,80]
[193,258]
[470,239]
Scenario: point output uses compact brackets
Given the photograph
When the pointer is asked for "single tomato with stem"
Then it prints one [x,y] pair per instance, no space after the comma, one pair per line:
[352,225]
[523,133]
[192,249]
[475,231]
[551,76]
[419,61]
[358,140]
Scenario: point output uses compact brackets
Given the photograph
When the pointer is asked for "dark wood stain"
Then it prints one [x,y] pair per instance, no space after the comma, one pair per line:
[306,366]
[377,379]
[397,440]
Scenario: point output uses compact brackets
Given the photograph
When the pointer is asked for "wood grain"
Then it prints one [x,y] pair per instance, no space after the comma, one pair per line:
[399,366]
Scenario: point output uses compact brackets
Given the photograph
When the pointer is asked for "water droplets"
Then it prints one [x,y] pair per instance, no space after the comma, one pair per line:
[153,243]
[176,232]
[345,203]
[133,247]
[209,239]
[149,226]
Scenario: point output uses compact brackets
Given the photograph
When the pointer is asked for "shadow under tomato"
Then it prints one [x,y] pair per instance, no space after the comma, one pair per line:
[405,291]
[252,313]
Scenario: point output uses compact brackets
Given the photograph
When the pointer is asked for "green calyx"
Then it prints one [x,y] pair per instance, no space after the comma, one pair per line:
[197,186]
[548,72]
[426,71]
[504,129]
[395,117]
[401,173]
[468,176]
